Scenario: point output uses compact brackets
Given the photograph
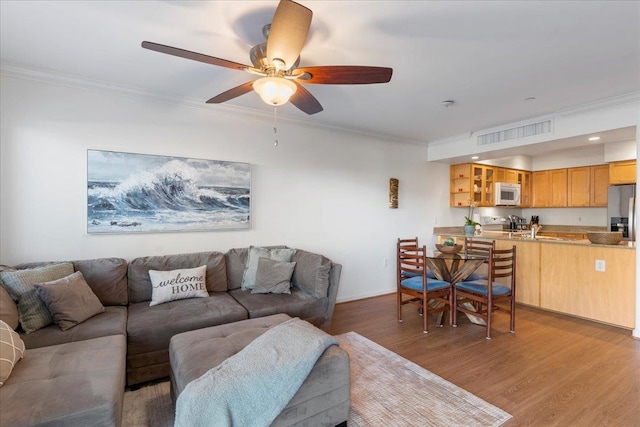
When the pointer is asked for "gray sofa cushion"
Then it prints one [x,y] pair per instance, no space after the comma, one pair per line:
[148,353]
[311,273]
[236,262]
[113,321]
[140,284]
[73,384]
[297,304]
[107,278]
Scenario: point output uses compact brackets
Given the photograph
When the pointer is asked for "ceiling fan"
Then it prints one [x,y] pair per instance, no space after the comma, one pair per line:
[277,60]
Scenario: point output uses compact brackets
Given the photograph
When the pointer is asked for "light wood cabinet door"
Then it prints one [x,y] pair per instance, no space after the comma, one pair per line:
[511,175]
[579,186]
[574,287]
[527,270]
[622,172]
[483,180]
[599,185]
[558,188]
[524,179]
[540,189]
[549,188]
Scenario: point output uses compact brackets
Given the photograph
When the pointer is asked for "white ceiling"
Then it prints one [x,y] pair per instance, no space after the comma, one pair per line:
[488,56]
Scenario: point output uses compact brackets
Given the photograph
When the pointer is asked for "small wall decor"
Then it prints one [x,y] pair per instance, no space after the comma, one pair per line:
[393,193]
[133,193]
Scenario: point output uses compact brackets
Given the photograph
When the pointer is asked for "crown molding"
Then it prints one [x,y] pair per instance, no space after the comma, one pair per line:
[76,81]
[602,104]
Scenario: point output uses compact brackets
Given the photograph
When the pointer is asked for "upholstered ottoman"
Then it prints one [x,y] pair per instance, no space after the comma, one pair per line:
[322,400]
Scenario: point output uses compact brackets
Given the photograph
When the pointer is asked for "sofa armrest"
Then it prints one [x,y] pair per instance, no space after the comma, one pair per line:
[332,294]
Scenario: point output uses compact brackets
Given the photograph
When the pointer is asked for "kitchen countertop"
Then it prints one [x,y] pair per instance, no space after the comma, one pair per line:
[524,236]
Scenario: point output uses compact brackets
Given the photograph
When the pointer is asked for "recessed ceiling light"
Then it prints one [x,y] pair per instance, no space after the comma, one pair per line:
[529,99]
[448,103]
[475,157]
[594,138]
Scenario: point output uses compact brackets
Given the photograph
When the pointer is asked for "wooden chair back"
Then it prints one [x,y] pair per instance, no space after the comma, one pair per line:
[502,263]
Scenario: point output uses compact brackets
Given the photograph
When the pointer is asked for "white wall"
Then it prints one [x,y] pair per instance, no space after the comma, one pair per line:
[321,189]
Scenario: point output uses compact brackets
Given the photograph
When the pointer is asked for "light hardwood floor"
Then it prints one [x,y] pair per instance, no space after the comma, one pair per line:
[555,370]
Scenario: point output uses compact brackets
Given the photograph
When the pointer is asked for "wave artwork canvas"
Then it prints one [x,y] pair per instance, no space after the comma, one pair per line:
[133,193]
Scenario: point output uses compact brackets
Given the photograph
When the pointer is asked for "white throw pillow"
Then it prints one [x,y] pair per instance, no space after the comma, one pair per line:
[178,284]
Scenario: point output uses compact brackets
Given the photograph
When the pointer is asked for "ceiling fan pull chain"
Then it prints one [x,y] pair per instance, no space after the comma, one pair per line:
[275,125]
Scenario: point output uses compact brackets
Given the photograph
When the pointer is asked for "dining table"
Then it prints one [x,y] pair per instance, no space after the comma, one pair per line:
[455,268]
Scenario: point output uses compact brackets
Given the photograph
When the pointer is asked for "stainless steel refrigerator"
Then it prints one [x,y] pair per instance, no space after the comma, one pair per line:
[622,210]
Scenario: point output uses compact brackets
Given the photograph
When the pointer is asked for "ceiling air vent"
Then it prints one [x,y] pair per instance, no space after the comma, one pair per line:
[524,131]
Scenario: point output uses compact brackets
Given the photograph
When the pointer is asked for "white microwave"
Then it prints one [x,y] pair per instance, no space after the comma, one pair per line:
[507,194]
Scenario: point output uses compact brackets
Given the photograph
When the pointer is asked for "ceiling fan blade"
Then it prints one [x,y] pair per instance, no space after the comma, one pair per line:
[288,32]
[346,74]
[305,101]
[193,55]
[232,93]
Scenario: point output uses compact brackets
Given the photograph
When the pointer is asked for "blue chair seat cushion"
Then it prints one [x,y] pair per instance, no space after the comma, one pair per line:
[430,274]
[476,276]
[480,287]
[415,283]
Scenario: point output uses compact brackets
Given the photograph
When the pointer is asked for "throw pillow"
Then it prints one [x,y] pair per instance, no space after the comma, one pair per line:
[255,253]
[178,284]
[312,273]
[20,284]
[11,349]
[70,300]
[273,277]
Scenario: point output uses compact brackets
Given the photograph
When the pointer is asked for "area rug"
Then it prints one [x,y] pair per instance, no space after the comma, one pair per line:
[386,390]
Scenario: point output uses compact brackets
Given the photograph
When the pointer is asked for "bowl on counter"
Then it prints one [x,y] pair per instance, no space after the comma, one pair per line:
[605,237]
[448,249]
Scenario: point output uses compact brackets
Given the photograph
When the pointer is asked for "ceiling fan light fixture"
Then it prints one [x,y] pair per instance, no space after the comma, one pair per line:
[274,90]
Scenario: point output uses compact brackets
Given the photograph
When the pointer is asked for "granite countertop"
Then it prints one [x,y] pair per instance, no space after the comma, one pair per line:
[524,236]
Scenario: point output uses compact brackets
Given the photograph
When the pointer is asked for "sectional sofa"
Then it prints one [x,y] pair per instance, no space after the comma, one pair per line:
[78,376]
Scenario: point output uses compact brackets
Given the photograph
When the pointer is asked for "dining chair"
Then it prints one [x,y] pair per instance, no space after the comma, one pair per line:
[432,295]
[478,247]
[485,294]
[409,245]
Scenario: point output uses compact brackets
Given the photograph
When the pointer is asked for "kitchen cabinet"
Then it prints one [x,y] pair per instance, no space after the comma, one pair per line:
[483,184]
[578,186]
[524,179]
[469,181]
[527,270]
[574,287]
[460,185]
[587,186]
[549,188]
[507,175]
[599,185]
[622,172]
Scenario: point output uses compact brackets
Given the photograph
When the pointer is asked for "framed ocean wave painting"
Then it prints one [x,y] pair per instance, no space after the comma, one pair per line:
[134,193]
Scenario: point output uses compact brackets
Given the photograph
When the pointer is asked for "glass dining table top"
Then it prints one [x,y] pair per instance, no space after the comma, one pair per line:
[454,268]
